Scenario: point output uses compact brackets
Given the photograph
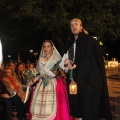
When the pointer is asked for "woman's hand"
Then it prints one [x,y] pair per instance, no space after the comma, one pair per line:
[55,72]
[30,83]
[33,80]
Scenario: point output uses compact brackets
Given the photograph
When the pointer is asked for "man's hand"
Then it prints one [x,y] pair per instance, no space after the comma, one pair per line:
[70,64]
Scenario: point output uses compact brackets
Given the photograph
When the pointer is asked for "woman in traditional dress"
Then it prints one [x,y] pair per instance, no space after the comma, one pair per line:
[50,99]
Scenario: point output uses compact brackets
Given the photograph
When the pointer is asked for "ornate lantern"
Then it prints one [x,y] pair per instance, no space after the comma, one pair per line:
[73,87]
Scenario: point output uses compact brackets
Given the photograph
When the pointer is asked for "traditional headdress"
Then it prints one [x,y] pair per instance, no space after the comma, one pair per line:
[42,54]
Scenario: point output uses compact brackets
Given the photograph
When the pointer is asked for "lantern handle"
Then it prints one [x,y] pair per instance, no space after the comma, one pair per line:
[71,74]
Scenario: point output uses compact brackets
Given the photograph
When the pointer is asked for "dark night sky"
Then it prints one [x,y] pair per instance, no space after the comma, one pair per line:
[23,46]
[19,36]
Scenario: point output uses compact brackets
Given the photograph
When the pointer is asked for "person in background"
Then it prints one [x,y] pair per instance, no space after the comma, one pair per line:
[4,114]
[31,66]
[11,89]
[22,78]
[12,67]
[1,71]
[84,60]
[50,98]
[20,68]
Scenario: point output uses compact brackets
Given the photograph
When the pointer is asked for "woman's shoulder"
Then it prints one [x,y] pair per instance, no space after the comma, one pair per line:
[56,58]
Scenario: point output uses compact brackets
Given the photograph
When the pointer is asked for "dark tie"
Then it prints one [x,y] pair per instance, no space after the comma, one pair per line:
[71,52]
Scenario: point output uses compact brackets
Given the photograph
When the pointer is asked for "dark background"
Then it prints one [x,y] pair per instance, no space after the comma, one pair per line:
[25,24]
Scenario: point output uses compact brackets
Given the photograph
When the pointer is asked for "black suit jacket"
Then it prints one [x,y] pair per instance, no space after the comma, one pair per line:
[92,100]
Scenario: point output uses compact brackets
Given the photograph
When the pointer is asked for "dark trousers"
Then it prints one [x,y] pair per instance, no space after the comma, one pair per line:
[7,105]
[1,109]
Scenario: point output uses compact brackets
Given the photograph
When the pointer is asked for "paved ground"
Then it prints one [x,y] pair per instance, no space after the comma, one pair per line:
[113,81]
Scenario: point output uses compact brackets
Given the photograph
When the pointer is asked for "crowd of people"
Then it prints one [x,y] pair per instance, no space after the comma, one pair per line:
[49,97]
[13,84]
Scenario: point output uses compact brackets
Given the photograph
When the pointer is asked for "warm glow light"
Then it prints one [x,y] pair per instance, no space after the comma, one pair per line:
[73,87]
[100,43]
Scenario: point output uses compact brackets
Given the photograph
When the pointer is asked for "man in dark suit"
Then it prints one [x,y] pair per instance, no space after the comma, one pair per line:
[91,101]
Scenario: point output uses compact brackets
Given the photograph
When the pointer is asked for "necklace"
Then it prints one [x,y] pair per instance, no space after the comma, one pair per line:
[48,56]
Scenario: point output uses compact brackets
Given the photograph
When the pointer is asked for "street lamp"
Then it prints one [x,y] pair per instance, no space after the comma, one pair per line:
[9,56]
[28,60]
[35,54]
[107,59]
[107,56]
[31,51]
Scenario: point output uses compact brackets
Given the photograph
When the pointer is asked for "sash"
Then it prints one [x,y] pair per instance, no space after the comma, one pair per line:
[24,97]
[14,84]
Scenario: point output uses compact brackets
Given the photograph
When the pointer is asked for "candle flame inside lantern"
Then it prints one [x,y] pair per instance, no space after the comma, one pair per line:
[73,88]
